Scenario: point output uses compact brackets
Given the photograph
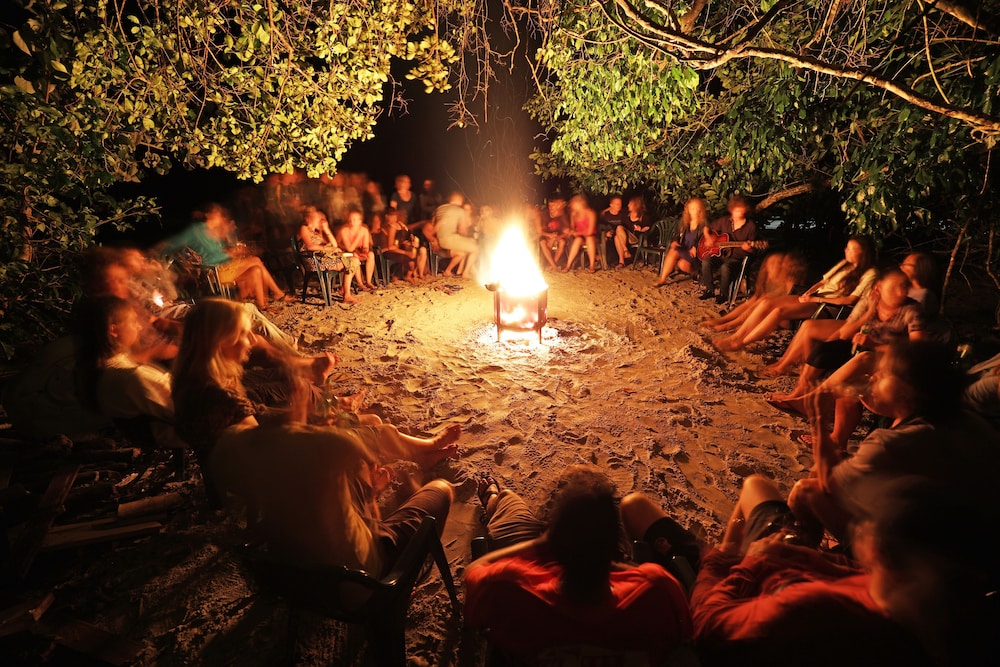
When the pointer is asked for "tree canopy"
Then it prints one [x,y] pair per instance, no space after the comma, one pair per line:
[889,103]
[96,93]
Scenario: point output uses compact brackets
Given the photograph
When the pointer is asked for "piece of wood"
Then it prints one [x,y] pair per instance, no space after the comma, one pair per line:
[23,551]
[23,616]
[93,532]
[153,505]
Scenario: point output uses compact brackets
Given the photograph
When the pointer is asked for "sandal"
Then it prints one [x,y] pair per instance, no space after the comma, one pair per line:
[483,486]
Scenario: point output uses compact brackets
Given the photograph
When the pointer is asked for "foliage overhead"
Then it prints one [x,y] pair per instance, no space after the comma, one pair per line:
[96,93]
[891,103]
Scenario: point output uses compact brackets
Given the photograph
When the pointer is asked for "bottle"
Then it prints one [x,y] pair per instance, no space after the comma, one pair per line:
[864,330]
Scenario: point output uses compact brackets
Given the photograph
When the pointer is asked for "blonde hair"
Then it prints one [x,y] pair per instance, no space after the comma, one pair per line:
[211,325]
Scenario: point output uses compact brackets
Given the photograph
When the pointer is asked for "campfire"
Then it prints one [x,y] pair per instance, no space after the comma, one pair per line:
[520,294]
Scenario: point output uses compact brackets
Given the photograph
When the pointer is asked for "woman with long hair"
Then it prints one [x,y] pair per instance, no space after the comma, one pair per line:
[842,285]
[684,248]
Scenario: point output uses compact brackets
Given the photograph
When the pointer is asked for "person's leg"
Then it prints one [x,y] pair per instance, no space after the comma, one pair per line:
[645,520]
[470,261]
[510,520]
[347,280]
[546,245]
[574,250]
[707,279]
[422,262]
[669,263]
[847,416]
[786,308]
[726,276]
[456,259]
[251,282]
[591,243]
[426,452]
[811,332]
[560,249]
[397,529]
[370,269]
[621,245]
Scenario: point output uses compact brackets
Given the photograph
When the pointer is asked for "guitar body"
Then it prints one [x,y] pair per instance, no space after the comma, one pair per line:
[714,245]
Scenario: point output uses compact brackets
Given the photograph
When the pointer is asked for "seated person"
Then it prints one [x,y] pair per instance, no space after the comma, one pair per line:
[684,248]
[211,241]
[563,583]
[392,236]
[311,494]
[627,233]
[891,316]
[764,597]
[739,228]
[553,231]
[111,380]
[583,228]
[778,275]
[355,238]
[842,285]
[210,398]
[814,331]
[610,219]
[453,227]
[318,243]
[918,388]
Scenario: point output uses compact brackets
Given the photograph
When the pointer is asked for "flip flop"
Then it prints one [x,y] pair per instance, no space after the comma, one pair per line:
[784,406]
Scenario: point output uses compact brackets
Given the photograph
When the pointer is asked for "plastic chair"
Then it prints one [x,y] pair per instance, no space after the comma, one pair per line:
[355,596]
[663,229]
[328,280]
[204,274]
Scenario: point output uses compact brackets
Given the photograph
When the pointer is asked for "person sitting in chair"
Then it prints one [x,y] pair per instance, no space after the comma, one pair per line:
[563,583]
[738,227]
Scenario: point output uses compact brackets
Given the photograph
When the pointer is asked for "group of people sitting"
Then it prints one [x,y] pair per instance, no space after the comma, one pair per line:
[913,512]
[877,557]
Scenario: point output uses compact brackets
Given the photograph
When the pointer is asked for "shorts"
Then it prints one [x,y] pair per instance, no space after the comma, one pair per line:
[667,538]
[768,518]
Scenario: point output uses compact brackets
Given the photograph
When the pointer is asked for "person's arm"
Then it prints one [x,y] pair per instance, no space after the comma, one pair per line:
[521,548]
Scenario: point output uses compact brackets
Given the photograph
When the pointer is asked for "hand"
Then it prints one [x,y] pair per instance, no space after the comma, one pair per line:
[805,298]
[746,247]
[861,340]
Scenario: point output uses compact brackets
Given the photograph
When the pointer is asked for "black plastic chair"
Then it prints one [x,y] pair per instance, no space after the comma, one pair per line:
[662,231]
[328,280]
[355,596]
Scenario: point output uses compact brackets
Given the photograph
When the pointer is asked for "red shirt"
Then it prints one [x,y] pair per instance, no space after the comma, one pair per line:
[517,602]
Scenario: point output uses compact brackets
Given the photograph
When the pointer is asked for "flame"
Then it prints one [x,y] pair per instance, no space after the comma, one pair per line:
[513,266]
[158,298]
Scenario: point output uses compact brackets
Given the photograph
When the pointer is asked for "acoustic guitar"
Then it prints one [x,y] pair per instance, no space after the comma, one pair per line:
[712,246]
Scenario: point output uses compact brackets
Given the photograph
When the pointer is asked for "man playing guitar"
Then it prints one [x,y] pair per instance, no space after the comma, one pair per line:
[738,228]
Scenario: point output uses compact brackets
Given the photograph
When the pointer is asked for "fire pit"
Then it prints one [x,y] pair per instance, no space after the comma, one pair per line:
[520,313]
[520,294]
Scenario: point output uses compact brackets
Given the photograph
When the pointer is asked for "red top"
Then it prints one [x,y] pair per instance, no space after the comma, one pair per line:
[774,607]
[517,602]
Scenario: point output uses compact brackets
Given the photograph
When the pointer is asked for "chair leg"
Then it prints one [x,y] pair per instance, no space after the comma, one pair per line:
[305,284]
[437,550]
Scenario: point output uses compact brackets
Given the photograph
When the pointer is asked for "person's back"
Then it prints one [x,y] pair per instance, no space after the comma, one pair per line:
[520,602]
[305,482]
[566,588]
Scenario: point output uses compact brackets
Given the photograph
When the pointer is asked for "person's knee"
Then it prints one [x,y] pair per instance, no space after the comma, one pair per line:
[443,487]
[638,512]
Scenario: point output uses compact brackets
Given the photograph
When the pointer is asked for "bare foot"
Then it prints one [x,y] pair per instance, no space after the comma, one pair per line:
[443,446]
[773,371]
[322,365]
[726,344]
[350,298]
[352,403]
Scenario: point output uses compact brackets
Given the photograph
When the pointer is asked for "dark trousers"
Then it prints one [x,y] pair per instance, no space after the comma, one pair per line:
[728,267]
